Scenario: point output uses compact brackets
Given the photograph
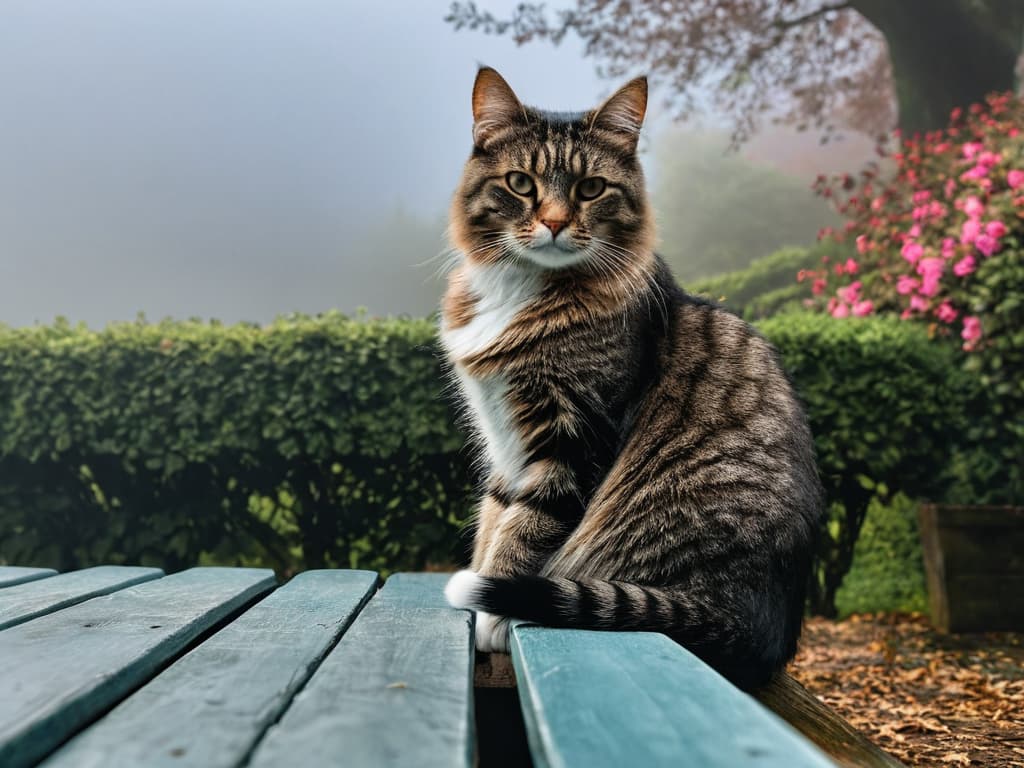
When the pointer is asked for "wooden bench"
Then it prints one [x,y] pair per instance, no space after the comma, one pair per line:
[118,666]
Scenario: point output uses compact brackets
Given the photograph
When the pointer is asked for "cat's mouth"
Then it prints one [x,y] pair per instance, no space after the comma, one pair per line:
[554,255]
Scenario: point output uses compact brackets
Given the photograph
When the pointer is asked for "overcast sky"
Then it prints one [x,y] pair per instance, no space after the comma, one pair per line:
[223,158]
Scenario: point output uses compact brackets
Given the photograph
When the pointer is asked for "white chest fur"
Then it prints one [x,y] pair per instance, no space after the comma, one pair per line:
[501,292]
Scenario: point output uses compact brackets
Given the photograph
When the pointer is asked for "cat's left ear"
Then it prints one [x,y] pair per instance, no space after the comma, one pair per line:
[622,114]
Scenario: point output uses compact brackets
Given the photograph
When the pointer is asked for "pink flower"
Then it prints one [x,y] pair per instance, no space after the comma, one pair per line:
[965,266]
[851,267]
[907,284]
[995,229]
[1015,179]
[986,244]
[969,231]
[989,158]
[862,244]
[850,293]
[971,148]
[977,172]
[971,332]
[840,311]
[921,196]
[946,313]
[912,252]
[915,231]
[863,308]
[948,247]
[931,273]
[949,188]
[973,207]
[918,303]
[818,286]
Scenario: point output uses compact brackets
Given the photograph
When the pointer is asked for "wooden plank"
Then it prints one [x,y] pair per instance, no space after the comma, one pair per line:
[37,598]
[397,690]
[846,745]
[629,698]
[210,707]
[61,670]
[10,575]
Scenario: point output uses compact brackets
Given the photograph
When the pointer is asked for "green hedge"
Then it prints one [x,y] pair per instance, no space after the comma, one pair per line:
[765,287]
[327,441]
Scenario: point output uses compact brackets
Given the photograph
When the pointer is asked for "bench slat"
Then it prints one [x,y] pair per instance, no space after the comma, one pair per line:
[397,690]
[11,575]
[629,698]
[61,670]
[209,708]
[37,598]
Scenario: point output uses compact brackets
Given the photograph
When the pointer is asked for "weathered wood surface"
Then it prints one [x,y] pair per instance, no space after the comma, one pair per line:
[595,699]
[210,707]
[37,598]
[61,670]
[395,691]
[974,564]
[819,723]
[10,575]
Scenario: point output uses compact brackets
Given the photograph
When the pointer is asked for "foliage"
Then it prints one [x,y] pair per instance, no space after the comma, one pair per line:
[809,60]
[943,243]
[326,441]
[763,288]
[888,569]
[886,411]
[312,441]
[700,185]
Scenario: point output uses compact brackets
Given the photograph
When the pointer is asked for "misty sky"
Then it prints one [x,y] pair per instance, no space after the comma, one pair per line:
[230,158]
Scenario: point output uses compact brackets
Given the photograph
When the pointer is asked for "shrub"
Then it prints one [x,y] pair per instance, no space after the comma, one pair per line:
[762,289]
[326,441]
[943,243]
[886,407]
[312,442]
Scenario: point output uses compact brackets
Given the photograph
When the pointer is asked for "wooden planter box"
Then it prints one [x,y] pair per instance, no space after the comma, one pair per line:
[974,563]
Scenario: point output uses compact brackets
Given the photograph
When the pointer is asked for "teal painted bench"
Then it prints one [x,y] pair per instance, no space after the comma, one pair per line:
[118,666]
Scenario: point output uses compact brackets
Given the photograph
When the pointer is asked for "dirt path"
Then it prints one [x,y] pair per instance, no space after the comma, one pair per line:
[928,699]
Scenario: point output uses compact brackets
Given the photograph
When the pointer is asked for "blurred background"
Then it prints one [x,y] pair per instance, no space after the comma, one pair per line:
[230,160]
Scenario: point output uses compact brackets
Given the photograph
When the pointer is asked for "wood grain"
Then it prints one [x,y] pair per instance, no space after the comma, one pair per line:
[210,707]
[594,699]
[397,690]
[822,725]
[37,598]
[62,670]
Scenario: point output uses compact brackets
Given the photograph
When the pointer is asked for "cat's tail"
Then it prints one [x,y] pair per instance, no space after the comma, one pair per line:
[726,636]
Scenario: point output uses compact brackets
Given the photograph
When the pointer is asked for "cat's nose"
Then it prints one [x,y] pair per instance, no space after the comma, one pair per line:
[554,225]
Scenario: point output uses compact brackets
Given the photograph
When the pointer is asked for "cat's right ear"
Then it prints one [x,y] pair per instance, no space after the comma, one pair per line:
[495,106]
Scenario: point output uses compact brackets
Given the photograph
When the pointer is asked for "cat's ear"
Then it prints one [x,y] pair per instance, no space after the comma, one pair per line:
[623,113]
[495,106]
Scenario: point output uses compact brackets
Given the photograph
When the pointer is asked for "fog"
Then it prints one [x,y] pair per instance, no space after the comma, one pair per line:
[237,160]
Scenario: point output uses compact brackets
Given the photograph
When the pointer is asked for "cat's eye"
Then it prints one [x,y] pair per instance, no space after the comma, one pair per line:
[519,183]
[588,189]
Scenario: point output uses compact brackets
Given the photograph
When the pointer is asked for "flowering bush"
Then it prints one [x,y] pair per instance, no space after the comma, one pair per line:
[942,241]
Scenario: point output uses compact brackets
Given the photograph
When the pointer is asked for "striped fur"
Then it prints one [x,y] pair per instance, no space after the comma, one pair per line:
[648,465]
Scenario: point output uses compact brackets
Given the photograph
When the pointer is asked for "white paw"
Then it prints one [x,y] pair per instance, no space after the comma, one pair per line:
[491,633]
[461,589]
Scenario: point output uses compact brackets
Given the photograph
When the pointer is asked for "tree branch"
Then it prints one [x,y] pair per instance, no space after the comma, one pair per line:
[813,15]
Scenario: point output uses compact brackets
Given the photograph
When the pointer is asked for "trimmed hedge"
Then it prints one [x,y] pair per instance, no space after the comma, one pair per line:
[327,440]
[765,287]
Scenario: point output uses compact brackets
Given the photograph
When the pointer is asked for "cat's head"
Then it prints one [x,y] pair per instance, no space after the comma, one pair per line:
[553,189]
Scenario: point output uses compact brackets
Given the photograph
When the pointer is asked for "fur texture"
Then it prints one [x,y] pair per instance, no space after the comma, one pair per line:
[648,465]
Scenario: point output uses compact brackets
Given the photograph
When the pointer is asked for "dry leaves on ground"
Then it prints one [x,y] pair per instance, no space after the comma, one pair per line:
[928,699]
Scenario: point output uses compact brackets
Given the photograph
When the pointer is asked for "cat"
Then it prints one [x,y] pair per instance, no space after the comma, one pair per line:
[648,465]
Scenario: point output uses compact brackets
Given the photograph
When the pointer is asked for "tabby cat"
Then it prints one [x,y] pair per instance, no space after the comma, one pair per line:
[648,464]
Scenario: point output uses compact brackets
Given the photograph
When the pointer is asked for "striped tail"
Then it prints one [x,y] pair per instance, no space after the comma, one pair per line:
[722,635]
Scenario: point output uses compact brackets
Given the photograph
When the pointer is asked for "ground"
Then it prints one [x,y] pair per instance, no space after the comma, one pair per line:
[927,698]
